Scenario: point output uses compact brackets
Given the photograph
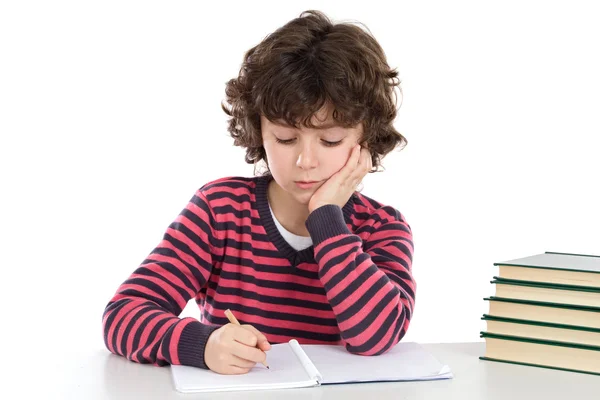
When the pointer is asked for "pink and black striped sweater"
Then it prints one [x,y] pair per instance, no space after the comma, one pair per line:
[353,286]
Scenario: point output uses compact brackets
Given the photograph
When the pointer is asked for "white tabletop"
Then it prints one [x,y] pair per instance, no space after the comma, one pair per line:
[100,375]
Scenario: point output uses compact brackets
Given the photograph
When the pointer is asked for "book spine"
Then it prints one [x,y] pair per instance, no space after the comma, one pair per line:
[572,254]
[308,365]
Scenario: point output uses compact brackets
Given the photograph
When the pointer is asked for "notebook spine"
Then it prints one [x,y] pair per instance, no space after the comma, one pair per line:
[308,365]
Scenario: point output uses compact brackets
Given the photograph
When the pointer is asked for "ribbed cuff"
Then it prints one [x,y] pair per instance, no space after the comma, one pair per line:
[326,222]
[192,344]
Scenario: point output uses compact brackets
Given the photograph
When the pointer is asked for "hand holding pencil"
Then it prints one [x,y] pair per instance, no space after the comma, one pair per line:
[234,320]
[235,348]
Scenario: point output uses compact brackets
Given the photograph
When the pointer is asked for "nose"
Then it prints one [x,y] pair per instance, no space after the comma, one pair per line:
[307,159]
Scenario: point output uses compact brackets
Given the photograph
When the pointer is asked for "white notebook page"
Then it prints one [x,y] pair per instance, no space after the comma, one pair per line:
[406,361]
[286,371]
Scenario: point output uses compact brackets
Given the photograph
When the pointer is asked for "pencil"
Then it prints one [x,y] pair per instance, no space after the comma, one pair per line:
[234,320]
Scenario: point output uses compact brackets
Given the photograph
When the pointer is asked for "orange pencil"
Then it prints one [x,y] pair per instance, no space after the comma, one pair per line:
[234,320]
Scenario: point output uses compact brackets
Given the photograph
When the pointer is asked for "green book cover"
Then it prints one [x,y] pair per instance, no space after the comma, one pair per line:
[544,304]
[559,261]
[498,280]
[487,317]
[537,365]
[538,341]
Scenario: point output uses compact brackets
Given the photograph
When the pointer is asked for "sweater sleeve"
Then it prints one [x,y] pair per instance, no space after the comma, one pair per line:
[141,320]
[369,284]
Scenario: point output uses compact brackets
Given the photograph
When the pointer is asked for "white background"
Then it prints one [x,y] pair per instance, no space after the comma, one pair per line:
[110,119]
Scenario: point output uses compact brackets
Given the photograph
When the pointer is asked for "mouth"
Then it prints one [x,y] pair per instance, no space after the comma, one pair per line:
[305,184]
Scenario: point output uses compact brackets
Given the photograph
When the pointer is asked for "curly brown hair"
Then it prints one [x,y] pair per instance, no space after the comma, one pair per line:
[305,64]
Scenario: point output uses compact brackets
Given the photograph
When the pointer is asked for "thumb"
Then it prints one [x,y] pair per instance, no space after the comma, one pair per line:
[264,344]
[262,341]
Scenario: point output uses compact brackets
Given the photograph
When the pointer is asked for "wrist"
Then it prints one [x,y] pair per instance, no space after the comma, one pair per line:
[325,222]
[192,343]
[312,208]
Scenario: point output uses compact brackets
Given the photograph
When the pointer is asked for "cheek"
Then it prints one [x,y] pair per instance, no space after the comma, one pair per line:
[334,160]
[278,158]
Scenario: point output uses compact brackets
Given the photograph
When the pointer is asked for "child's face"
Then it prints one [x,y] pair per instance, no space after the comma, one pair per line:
[306,155]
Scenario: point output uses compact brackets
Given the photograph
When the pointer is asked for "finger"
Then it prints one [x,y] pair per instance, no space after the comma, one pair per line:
[235,370]
[368,160]
[241,363]
[365,155]
[244,336]
[263,343]
[250,353]
[264,346]
[363,166]
[352,162]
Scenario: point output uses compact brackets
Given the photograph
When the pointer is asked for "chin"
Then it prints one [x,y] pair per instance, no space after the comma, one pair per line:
[301,197]
[304,200]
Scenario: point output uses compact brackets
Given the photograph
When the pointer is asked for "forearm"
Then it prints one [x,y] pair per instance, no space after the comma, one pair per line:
[141,321]
[143,332]
[372,303]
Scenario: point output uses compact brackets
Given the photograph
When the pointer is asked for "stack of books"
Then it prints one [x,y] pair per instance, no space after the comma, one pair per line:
[546,312]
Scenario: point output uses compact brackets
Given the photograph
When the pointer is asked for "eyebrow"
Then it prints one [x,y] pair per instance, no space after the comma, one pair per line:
[320,127]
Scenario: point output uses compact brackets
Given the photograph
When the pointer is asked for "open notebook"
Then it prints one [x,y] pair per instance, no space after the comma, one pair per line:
[294,366]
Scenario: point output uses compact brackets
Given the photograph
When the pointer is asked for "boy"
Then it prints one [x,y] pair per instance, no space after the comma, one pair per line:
[296,252]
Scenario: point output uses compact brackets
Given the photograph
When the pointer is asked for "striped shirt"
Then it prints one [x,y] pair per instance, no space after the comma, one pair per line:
[353,286]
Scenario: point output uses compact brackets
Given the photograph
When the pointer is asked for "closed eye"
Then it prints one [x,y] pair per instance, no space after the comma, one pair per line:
[325,142]
[331,144]
[288,141]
